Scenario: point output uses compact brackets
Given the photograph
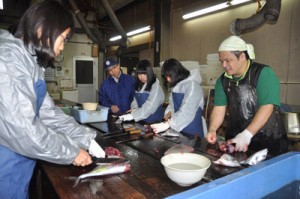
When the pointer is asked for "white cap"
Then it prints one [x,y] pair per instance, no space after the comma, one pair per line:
[235,43]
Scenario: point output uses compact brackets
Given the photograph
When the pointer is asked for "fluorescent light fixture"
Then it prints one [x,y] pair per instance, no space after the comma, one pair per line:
[115,38]
[213,8]
[131,33]
[1,5]
[237,2]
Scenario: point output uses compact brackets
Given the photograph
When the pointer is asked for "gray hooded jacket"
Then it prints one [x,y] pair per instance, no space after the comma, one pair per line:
[193,99]
[52,136]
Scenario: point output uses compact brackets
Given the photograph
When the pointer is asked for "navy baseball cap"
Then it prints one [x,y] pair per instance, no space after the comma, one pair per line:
[110,63]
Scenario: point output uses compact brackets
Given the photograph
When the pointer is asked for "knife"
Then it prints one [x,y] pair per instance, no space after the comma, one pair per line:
[177,141]
[108,160]
[142,136]
[128,140]
[114,133]
[131,132]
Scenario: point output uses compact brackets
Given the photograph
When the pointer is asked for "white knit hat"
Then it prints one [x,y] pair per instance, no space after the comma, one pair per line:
[235,43]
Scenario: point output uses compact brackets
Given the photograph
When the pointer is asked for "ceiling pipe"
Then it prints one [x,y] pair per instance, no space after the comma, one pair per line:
[273,10]
[115,22]
[94,34]
[98,34]
[82,22]
[269,12]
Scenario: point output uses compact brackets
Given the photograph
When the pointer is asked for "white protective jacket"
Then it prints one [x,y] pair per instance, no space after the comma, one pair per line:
[193,99]
[52,136]
[155,99]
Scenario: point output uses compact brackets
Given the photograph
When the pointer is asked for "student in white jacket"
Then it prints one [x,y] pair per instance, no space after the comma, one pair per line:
[184,112]
[149,96]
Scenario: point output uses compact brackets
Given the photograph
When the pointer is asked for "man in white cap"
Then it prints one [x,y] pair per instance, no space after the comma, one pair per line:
[250,93]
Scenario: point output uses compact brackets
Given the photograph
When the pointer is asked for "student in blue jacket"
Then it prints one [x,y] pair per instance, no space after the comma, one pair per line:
[117,91]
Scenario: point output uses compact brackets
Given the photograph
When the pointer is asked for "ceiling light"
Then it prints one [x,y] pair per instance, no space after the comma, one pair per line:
[236,2]
[115,38]
[1,5]
[213,8]
[131,33]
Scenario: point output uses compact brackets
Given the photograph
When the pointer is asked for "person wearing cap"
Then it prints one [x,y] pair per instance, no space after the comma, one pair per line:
[147,105]
[117,91]
[248,94]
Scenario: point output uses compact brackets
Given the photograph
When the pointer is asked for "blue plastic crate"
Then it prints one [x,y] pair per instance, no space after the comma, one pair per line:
[253,182]
[84,116]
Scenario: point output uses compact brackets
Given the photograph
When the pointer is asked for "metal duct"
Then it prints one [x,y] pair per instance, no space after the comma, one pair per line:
[83,22]
[115,21]
[269,12]
[273,10]
[94,34]
[98,34]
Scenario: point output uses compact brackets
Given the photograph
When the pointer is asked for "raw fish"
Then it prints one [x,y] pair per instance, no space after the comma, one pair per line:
[256,157]
[180,148]
[225,147]
[227,160]
[104,170]
[111,152]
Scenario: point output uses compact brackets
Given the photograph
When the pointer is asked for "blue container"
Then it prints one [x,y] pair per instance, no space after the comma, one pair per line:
[253,182]
[84,116]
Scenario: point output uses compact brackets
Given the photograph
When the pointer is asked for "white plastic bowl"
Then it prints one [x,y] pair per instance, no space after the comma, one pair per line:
[185,169]
[90,106]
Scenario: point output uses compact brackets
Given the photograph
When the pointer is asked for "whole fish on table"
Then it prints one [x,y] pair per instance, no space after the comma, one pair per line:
[104,170]
[228,160]
[256,157]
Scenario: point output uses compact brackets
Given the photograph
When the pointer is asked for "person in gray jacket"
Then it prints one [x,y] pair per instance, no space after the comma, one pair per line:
[184,112]
[147,105]
[32,127]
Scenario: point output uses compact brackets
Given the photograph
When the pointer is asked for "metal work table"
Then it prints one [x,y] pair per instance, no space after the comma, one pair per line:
[147,178]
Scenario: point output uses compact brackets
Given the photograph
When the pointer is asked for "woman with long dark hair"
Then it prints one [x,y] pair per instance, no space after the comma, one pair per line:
[32,127]
[184,112]
[149,96]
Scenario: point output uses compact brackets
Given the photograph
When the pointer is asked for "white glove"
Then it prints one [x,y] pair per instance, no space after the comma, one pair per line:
[96,150]
[160,127]
[242,140]
[126,117]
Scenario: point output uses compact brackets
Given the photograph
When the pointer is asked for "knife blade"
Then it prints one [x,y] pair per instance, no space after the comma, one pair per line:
[108,160]
[142,136]
[131,132]
[176,140]
[128,140]
[113,133]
